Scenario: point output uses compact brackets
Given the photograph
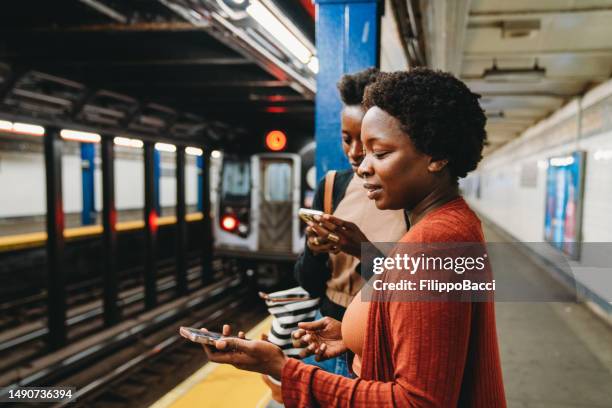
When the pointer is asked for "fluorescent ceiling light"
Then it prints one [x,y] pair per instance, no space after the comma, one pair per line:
[520,28]
[127,142]
[27,129]
[313,64]
[495,74]
[499,114]
[271,24]
[78,136]
[234,8]
[6,125]
[603,155]
[165,147]
[562,161]
[194,151]
[215,154]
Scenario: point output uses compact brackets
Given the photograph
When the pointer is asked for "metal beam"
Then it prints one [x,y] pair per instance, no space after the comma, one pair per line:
[9,83]
[181,224]
[208,84]
[488,55]
[409,30]
[534,13]
[109,236]
[445,26]
[56,292]
[527,95]
[104,9]
[150,215]
[52,121]
[216,60]
[207,235]
[237,39]
[139,26]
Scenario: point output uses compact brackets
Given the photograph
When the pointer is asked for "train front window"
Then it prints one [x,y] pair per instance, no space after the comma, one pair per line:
[278,182]
[236,181]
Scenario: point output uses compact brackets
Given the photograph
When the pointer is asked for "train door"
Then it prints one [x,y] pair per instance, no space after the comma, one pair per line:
[233,204]
[277,200]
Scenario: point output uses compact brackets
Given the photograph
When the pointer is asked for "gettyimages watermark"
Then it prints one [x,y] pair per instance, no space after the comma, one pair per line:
[478,272]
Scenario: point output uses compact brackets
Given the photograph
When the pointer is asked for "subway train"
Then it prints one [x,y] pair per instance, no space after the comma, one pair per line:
[255,201]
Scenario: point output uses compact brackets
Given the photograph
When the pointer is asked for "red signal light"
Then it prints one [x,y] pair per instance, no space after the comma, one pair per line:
[276,140]
[229,222]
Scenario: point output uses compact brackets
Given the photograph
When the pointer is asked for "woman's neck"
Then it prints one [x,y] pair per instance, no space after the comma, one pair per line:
[435,199]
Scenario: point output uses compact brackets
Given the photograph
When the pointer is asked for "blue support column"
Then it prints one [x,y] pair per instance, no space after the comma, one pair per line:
[88,152]
[156,177]
[200,165]
[348,40]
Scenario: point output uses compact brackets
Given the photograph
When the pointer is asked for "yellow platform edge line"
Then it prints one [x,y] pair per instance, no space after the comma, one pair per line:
[32,239]
[183,388]
[263,402]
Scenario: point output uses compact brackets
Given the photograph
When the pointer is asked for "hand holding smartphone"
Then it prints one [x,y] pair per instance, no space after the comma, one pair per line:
[307,215]
[198,336]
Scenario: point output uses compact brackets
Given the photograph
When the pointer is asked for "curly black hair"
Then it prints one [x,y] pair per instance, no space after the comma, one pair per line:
[439,113]
[352,86]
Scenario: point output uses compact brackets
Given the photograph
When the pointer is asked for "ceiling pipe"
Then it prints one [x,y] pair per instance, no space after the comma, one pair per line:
[107,11]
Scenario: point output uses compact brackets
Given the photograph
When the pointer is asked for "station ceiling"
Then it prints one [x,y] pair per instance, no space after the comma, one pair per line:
[192,71]
[183,70]
[529,57]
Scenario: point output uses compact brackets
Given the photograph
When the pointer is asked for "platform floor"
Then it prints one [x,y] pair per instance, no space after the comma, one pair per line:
[554,355]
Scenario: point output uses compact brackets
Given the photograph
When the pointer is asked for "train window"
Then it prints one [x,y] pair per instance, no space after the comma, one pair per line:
[277,186]
[236,180]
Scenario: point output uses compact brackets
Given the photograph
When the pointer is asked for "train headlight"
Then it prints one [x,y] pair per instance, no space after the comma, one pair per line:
[229,222]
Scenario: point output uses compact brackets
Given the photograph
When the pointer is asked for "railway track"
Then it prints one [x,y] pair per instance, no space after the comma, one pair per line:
[95,365]
[159,367]
[16,312]
[20,345]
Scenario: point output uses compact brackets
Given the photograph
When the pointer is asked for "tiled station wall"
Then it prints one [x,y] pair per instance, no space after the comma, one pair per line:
[22,177]
[509,186]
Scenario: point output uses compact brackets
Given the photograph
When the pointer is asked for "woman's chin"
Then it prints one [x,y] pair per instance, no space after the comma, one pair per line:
[381,204]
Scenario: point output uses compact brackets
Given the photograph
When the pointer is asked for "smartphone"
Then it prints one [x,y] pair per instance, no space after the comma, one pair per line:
[307,215]
[288,297]
[198,336]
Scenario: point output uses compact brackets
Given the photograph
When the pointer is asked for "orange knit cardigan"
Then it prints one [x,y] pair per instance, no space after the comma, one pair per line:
[416,354]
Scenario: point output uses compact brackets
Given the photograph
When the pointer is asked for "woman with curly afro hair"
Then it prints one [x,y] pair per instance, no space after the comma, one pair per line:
[321,269]
[422,131]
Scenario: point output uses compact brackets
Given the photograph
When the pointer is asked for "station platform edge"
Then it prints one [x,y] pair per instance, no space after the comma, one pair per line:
[220,385]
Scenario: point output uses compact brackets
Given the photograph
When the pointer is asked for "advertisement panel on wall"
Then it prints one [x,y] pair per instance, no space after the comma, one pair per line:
[564,188]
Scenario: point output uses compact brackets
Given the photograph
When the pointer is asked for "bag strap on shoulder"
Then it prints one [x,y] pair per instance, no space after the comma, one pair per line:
[328,193]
